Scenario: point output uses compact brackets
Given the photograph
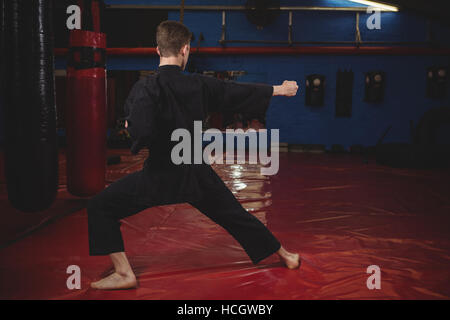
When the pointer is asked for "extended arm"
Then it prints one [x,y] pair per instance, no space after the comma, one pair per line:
[251,99]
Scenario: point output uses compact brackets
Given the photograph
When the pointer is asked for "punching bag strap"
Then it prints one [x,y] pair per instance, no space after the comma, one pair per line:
[87,50]
[86,58]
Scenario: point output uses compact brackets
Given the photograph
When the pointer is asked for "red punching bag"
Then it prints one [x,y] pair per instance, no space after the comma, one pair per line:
[86,118]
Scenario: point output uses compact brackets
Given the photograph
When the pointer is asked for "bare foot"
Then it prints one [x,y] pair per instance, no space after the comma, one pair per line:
[291,260]
[116,281]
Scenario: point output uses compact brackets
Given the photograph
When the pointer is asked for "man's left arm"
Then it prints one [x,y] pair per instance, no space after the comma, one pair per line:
[251,99]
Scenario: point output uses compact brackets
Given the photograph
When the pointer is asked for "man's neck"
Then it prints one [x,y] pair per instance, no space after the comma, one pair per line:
[170,61]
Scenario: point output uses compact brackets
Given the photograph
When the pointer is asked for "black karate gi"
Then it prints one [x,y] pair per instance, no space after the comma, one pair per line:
[156,106]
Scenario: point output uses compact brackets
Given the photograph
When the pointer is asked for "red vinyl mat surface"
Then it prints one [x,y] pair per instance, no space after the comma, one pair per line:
[341,216]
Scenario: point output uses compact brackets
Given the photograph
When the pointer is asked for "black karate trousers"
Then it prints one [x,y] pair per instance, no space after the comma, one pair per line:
[118,201]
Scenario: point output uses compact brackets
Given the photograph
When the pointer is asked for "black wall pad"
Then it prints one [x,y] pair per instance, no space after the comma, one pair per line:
[437,82]
[344,93]
[315,90]
[375,85]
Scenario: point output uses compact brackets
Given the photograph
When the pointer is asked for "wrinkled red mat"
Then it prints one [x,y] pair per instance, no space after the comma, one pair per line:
[340,214]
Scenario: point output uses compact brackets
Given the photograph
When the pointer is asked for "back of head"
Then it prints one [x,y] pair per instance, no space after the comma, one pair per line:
[171,36]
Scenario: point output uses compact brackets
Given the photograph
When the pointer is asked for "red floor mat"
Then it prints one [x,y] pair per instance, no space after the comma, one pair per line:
[340,214]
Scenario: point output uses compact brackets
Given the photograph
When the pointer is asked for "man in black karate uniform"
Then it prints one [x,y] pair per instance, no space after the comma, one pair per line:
[156,106]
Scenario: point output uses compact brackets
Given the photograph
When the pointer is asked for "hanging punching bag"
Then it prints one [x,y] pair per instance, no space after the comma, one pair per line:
[2,67]
[86,107]
[31,158]
[2,91]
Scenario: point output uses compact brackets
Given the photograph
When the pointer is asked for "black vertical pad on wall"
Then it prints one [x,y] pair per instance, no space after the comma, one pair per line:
[315,90]
[437,82]
[344,92]
[375,85]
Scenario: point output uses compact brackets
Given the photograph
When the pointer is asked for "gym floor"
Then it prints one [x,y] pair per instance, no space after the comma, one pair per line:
[341,214]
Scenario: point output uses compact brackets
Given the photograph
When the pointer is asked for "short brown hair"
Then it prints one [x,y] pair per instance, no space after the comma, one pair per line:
[171,36]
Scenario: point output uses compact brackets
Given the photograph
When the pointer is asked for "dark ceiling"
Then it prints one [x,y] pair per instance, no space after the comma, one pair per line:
[435,9]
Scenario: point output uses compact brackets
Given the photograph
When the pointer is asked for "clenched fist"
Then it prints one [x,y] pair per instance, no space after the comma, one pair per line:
[288,89]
